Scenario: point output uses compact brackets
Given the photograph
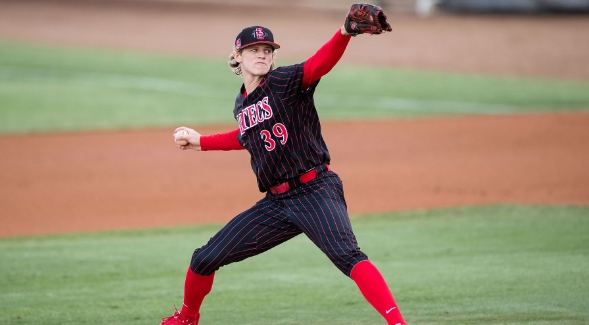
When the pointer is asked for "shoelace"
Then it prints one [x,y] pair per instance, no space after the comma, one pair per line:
[175,315]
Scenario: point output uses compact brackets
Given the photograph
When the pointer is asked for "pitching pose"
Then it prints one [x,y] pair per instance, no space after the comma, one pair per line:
[279,127]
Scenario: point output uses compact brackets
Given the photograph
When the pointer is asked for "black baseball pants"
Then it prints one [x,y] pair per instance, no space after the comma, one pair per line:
[317,209]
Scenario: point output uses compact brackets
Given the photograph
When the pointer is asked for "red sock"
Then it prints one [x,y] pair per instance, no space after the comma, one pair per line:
[375,290]
[196,287]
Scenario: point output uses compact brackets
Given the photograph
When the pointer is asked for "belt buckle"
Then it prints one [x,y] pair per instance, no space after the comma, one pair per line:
[304,178]
[281,188]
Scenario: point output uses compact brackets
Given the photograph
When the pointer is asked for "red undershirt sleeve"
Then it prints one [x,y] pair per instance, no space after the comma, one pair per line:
[325,59]
[222,141]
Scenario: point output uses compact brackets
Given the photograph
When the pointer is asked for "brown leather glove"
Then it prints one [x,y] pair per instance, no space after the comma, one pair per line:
[365,18]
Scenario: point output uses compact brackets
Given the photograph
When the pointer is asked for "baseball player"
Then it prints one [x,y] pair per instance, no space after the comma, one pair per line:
[279,127]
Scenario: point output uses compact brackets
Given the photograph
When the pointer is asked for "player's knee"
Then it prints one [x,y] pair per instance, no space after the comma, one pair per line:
[346,262]
[205,262]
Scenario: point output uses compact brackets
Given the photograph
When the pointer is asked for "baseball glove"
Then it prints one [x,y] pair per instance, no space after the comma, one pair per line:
[365,18]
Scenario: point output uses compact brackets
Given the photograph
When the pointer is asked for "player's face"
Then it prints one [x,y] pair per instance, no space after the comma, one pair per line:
[256,60]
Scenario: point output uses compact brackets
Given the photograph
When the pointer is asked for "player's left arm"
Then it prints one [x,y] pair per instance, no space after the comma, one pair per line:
[362,18]
[326,57]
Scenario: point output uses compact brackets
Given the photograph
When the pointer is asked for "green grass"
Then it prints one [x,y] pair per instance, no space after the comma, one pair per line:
[500,264]
[45,89]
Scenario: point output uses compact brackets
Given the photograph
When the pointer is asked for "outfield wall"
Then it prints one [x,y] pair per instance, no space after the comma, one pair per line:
[392,6]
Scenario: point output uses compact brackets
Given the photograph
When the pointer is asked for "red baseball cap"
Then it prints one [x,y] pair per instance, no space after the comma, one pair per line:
[255,35]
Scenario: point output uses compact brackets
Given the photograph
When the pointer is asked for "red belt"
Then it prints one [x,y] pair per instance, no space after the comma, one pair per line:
[302,179]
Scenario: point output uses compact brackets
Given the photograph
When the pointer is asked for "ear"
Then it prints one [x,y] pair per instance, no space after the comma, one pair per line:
[237,56]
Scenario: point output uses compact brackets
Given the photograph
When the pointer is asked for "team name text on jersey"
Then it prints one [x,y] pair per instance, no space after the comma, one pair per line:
[252,115]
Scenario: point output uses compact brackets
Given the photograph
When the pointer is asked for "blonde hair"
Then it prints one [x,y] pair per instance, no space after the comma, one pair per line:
[236,67]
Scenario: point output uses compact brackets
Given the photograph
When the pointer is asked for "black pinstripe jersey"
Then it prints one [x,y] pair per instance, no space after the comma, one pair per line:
[280,128]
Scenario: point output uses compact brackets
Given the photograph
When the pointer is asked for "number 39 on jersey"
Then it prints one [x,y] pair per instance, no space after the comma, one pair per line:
[279,133]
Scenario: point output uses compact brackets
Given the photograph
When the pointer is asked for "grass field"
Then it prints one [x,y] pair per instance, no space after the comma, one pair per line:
[55,89]
[500,264]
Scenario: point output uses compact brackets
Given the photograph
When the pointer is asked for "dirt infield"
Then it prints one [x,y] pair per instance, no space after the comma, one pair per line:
[97,181]
[58,183]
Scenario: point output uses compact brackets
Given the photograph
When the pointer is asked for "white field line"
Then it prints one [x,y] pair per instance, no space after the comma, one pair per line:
[200,90]
[111,80]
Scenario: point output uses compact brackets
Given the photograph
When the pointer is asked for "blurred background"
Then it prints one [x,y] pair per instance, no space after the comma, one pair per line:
[427,7]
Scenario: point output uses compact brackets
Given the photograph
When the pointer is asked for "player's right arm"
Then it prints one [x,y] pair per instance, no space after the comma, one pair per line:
[222,141]
[191,136]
